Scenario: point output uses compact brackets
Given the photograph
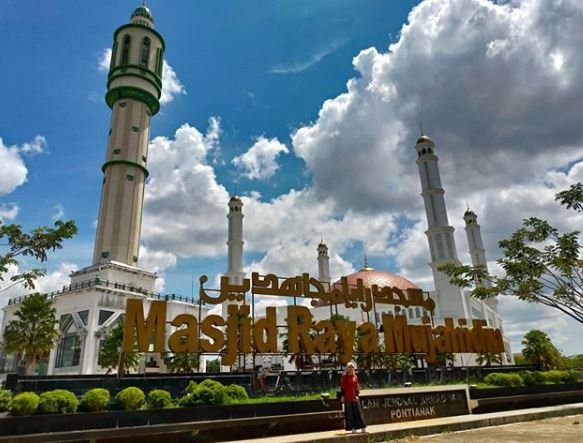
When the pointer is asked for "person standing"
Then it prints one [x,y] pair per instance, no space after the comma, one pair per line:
[350,390]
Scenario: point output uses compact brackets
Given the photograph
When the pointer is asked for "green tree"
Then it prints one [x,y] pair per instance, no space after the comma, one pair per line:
[36,245]
[213,365]
[540,351]
[111,356]
[488,359]
[182,362]
[541,265]
[32,333]
[572,362]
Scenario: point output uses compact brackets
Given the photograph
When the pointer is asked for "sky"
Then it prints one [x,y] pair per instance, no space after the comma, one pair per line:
[310,111]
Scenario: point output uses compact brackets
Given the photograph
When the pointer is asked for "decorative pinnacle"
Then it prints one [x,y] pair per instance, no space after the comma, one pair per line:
[421,127]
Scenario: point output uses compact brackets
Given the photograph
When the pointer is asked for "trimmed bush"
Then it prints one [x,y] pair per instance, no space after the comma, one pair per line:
[192,385]
[25,403]
[505,380]
[236,392]
[209,392]
[532,378]
[59,401]
[5,400]
[130,398]
[159,399]
[95,400]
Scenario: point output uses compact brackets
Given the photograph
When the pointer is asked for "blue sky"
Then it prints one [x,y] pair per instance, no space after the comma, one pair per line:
[340,111]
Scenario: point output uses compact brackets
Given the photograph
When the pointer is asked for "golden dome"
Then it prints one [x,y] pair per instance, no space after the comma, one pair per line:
[424,139]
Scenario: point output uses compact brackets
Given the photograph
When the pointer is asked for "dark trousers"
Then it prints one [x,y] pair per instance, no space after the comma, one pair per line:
[354,415]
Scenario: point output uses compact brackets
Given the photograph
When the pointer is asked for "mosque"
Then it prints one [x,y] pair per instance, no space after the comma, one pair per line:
[94,302]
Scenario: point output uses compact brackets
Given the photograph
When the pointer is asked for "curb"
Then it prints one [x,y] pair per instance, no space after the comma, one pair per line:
[381,433]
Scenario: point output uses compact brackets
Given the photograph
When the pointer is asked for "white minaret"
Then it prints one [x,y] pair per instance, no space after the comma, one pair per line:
[452,302]
[477,251]
[235,241]
[134,88]
[323,263]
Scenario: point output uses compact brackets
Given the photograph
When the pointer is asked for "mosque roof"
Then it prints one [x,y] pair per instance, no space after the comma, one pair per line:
[424,138]
[143,11]
[371,277]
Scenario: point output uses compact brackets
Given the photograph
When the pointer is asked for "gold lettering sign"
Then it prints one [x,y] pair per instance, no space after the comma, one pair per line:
[237,334]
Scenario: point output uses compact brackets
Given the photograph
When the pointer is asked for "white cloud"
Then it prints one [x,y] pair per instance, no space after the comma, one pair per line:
[171,84]
[8,211]
[313,58]
[260,161]
[59,212]
[13,171]
[37,146]
[104,60]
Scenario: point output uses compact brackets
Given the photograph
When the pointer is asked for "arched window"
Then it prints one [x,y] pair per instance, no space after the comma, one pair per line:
[113,56]
[423,151]
[160,62]
[145,52]
[125,50]
[429,151]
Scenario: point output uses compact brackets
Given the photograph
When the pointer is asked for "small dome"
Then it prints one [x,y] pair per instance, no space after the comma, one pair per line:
[470,213]
[143,11]
[424,139]
[236,198]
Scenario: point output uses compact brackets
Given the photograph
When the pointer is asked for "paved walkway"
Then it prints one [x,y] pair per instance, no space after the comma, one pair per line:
[564,430]
[451,425]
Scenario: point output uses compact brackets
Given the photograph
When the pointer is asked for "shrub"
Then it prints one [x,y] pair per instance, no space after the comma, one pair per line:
[192,385]
[5,400]
[574,376]
[159,399]
[555,376]
[236,392]
[59,401]
[95,400]
[505,380]
[209,392]
[532,378]
[25,403]
[130,398]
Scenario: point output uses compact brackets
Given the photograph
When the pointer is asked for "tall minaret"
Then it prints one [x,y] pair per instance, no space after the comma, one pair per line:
[452,302]
[323,263]
[477,251]
[235,241]
[134,88]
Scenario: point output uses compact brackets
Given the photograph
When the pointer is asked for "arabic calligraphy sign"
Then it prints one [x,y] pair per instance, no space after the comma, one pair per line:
[311,288]
[240,333]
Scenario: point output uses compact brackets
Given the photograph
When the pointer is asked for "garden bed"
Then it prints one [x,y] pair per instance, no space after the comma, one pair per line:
[39,424]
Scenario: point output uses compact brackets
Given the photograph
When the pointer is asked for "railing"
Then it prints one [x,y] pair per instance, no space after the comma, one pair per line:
[114,285]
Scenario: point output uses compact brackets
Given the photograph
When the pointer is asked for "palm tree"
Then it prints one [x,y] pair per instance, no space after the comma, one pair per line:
[32,334]
[539,350]
[112,357]
[183,362]
[488,359]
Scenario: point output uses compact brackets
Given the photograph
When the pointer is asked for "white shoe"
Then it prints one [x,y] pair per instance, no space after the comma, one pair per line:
[363,430]
[354,431]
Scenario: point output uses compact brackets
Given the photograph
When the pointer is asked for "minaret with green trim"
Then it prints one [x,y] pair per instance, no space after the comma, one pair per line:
[134,88]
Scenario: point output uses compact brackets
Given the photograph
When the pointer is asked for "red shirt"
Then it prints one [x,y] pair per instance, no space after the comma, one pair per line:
[350,387]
